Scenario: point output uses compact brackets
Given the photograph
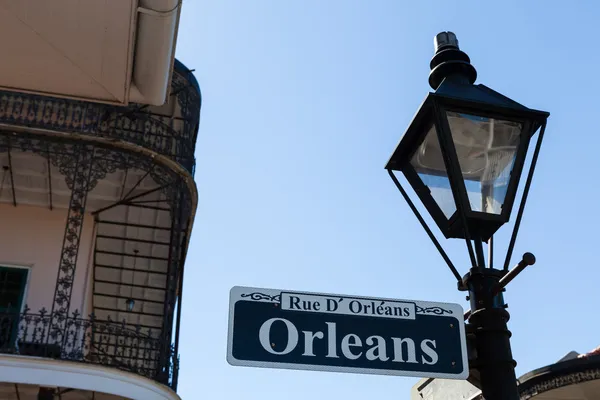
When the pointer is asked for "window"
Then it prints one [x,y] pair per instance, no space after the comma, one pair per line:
[12,289]
[12,293]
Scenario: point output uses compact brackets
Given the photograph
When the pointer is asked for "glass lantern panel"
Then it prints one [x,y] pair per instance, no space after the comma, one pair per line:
[428,163]
[486,149]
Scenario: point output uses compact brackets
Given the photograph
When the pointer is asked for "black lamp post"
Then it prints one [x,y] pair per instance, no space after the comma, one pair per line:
[463,154]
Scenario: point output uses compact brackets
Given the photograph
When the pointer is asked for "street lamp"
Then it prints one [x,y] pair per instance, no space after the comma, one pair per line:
[463,154]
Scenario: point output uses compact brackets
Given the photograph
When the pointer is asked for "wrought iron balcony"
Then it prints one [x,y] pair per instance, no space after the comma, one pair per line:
[169,130]
[89,340]
[128,166]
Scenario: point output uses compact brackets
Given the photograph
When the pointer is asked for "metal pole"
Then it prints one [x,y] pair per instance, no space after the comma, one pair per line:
[488,320]
[178,320]
[487,191]
[491,252]
[534,159]
[487,196]
[528,259]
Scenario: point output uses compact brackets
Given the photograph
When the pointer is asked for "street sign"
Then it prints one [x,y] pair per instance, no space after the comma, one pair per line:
[327,332]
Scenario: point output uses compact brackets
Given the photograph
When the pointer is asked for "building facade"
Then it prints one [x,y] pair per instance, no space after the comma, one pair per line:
[574,377]
[98,126]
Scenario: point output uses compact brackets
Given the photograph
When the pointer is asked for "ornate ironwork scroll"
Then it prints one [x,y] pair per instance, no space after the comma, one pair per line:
[108,343]
[432,310]
[257,296]
[133,124]
[78,172]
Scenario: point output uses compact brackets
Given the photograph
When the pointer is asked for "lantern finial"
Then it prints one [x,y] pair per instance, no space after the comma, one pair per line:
[445,39]
[450,62]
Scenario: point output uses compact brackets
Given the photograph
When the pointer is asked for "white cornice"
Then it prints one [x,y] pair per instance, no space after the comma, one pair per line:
[67,374]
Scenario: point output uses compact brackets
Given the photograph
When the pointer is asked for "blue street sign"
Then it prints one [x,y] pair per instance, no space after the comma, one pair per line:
[327,332]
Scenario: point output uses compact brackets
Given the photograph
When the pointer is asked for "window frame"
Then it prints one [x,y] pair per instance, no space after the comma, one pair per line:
[28,271]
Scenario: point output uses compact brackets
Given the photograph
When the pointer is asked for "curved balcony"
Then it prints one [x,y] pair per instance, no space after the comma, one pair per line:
[124,178]
[88,340]
[169,130]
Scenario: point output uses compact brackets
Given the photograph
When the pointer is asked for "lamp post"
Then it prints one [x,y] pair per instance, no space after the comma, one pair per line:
[463,154]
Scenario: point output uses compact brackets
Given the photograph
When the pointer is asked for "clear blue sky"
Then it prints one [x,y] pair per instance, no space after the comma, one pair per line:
[303,103]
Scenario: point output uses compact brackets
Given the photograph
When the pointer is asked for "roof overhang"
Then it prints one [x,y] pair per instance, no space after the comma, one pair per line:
[109,51]
[575,379]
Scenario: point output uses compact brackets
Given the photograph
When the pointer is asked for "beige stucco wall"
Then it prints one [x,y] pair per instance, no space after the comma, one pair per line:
[32,237]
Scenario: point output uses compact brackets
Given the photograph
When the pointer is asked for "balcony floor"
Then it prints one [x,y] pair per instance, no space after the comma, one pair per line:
[24,376]
[15,391]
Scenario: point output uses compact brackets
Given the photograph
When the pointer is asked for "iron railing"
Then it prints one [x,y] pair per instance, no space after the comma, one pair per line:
[89,340]
[133,124]
[173,136]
